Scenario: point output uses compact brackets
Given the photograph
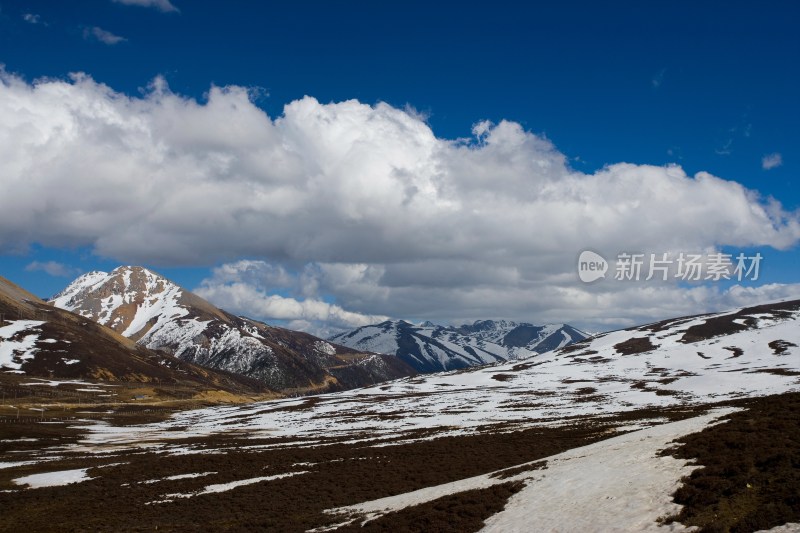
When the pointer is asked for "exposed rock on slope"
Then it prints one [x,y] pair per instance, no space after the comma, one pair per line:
[160,315]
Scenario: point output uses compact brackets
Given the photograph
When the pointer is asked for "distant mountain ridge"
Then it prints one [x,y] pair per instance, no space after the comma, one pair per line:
[429,347]
[160,315]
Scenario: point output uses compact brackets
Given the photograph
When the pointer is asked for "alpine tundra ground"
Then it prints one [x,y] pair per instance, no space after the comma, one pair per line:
[586,438]
[61,476]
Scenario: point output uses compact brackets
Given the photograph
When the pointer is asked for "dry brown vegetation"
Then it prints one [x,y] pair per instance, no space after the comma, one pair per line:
[339,473]
[635,345]
[465,511]
[750,479]
[780,347]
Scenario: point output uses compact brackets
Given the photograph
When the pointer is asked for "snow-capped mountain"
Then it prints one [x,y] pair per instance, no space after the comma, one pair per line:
[37,340]
[432,348]
[160,315]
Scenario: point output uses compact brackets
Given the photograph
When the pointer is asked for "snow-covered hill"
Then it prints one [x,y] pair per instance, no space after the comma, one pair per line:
[160,315]
[432,348]
[688,361]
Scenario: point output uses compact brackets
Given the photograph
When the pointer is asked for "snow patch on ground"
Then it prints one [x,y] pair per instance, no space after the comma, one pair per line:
[177,477]
[14,464]
[14,352]
[54,479]
[622,480]
[56,383]
[324,347]
[224,487]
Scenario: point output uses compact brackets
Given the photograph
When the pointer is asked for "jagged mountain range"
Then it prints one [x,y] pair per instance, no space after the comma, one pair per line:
[158,314]
[432,348]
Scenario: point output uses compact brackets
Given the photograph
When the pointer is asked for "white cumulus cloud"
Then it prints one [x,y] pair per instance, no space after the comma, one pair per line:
[347,202]
[243,288]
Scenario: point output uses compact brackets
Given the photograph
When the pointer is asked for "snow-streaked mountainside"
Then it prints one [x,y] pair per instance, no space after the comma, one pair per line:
[688,361]
[37,340]
[432,348]
[160,315]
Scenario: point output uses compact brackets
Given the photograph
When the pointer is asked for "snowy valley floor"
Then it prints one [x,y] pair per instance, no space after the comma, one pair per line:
[592,474]
[571,440]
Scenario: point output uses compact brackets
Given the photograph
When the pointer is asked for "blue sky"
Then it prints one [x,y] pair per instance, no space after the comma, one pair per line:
[708,86]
